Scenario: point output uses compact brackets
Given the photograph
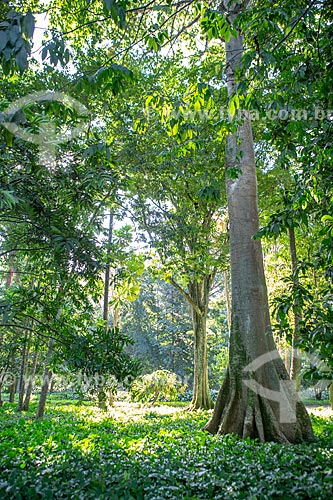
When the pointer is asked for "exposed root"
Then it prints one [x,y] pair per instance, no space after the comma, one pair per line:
[214,423]
[197,405]
[247,414]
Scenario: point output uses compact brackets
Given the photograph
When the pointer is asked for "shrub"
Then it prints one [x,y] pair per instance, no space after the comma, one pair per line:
[159,384]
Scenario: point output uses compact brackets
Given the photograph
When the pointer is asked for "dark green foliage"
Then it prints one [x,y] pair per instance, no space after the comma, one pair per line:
[100,353]
[16,31]
[82,453]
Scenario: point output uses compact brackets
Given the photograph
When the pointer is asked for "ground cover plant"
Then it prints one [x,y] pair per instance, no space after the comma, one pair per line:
[153,453]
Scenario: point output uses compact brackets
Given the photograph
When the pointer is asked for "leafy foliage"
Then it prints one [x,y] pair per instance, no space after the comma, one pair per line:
[16,32]
[153,386]
[81,452]
[100,353]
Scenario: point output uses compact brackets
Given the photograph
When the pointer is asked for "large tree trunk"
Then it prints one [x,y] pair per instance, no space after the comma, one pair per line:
[257,398]
[296,362]
[200,296]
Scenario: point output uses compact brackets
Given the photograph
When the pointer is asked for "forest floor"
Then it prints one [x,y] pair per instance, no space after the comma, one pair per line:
[123,410]
[137,452]
[324,411]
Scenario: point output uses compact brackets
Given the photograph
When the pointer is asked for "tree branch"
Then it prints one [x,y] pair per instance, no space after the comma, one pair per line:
[186,295]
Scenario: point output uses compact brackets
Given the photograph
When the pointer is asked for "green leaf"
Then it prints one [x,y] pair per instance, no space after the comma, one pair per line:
[9,199]
[29,25]
[328,218]
[22,59]
[44,53]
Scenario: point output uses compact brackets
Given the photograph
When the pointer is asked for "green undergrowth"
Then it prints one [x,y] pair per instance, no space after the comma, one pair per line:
[78,452]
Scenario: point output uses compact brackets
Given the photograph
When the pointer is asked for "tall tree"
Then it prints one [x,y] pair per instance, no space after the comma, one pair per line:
[256,398]
[179,207]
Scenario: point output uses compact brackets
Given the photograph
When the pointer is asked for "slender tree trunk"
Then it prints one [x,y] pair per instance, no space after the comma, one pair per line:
[46,381]
[102,398]
[10,274]
[28,393]
[257,398]
[2,378]
[331,395]
[3,373]
[23,373]
[12,390]
[52,385]
[296,362]
[201,394]
[107,274]
[116,317]
[9,280]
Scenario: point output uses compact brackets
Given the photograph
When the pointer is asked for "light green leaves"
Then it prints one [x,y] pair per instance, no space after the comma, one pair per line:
[156,38]
[329,223]
[7,198]
[215,25]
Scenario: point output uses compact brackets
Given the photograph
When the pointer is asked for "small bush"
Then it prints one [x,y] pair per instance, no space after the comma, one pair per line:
[156,385]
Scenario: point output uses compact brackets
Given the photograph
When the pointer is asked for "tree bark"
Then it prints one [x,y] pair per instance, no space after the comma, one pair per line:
[28,393]
[12,390]
[257,398]
[107,274]
[46,381]
[9,280]
[227,298]
[199,293]
[296,362]
[10,274]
